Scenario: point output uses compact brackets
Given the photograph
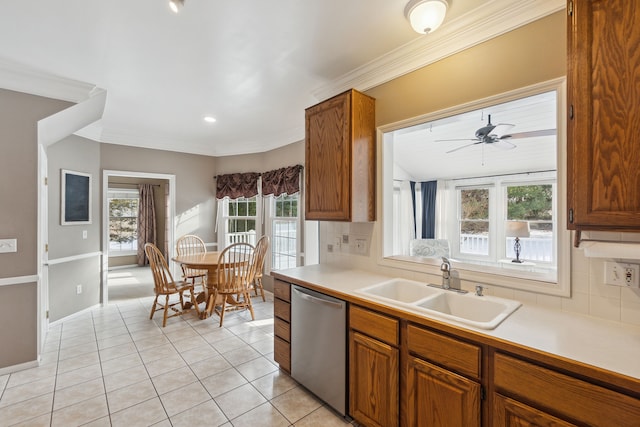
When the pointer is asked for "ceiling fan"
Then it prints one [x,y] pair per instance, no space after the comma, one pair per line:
[497,136]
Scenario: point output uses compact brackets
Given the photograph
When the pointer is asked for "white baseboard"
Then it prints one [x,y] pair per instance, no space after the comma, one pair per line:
[74,315]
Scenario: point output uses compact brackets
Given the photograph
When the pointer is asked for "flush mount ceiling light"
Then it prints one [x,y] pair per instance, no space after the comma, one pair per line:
[209,119]
[426,16]
[175,5]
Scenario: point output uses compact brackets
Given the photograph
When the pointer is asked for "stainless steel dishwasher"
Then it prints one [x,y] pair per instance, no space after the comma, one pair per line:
[318,345]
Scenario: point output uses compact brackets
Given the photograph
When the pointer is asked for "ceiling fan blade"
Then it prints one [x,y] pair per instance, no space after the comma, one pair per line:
[461,139]
[464,146]
[503,144]
[532,134]
[501,129]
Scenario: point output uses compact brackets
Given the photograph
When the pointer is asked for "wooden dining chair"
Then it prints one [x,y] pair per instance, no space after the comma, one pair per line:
[167,287]
[261,252]
[190,245]
[236,270]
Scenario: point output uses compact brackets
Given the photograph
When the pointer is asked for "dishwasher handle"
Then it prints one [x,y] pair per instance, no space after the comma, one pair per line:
[316,300]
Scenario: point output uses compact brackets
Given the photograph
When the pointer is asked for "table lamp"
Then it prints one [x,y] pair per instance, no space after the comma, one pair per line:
[517,229]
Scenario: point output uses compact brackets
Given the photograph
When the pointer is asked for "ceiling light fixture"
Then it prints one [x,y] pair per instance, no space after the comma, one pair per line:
[426,16]
[175,5]
[209,119]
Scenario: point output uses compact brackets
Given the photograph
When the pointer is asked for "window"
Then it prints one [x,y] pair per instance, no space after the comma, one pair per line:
[240,220]
[284,232]
[483,207]
[533,204]
[473,211]
[123,221]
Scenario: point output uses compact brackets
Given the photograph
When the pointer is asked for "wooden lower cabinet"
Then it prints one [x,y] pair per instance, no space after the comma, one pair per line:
[438,397]
[282,325]
[373,368]
[511,413]
[373,395]
[542,396]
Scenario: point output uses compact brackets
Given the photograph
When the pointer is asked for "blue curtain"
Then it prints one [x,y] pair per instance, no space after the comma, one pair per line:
[413,200]
[428,190]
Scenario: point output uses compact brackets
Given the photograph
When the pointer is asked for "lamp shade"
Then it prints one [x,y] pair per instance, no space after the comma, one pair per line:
[517,228]
[426,16]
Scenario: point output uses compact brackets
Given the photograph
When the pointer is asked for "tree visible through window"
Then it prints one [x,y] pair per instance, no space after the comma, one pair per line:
[474,221]
[123,220]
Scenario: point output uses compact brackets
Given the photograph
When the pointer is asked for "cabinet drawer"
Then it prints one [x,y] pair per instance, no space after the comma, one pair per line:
[563,395]
[376,325]
[451,353]
[282,290]
[282,309]
[282,329]
[282,353]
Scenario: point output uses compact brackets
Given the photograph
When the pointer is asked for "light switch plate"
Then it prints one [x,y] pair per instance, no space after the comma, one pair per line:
[8,245]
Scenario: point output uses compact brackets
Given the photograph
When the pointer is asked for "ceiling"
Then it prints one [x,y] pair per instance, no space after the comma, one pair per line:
[446,148]
[253,65]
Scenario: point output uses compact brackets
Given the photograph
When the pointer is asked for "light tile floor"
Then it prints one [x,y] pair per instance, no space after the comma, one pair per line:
[115,367]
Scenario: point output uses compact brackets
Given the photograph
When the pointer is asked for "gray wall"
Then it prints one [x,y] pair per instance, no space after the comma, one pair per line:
[195,187]
[19,114]
[81,155]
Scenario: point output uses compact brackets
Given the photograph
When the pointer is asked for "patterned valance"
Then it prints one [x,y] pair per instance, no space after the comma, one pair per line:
[236,185]
[281,181]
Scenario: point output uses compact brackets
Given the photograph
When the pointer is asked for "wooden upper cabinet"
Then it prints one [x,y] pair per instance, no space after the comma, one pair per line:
[603,150]
[340,147]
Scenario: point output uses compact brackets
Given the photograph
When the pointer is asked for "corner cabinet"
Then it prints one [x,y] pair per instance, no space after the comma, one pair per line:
[603,137]
[340,159]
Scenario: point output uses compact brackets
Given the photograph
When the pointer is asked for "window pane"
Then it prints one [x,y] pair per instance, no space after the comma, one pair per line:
[474,203]
[529,202]
[123,224]
[474,221]
[532,203]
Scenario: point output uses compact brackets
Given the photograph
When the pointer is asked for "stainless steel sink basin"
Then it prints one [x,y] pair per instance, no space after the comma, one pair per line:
[482,312]
[400,290]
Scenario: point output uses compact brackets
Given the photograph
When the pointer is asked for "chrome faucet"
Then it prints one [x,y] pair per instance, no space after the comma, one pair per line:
[445,267]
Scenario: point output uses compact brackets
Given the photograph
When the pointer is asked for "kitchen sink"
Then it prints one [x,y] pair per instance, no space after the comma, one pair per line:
[400,290]
[484,312]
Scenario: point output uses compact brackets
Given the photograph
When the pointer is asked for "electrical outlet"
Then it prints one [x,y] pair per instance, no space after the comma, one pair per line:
[78,289]
[84,234]
[329,248]
[345,239]
[361,246]
[622,274]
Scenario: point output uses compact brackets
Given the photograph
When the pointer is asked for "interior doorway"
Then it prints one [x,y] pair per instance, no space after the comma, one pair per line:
[163,186]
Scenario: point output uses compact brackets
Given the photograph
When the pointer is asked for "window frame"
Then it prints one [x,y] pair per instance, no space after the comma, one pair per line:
[272,217]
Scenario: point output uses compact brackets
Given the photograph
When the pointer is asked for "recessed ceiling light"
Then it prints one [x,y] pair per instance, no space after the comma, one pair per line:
[209,119]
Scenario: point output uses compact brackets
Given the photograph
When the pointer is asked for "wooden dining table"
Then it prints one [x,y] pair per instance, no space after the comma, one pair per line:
[205,261]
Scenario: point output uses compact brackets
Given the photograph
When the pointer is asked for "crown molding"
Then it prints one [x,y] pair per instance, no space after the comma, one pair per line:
[490,20]
[22,78]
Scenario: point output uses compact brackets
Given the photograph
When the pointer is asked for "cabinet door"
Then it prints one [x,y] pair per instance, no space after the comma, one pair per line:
[328,160]
[511,413]
[437,397]
[373,381]
[603,145]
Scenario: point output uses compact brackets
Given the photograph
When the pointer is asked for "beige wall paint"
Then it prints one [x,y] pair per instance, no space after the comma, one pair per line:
[19,114]
[531,54]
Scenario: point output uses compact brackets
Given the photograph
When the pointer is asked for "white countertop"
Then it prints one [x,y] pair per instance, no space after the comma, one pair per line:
[601,343]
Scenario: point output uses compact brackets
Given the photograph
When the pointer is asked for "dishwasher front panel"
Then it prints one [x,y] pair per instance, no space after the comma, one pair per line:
[318,345]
